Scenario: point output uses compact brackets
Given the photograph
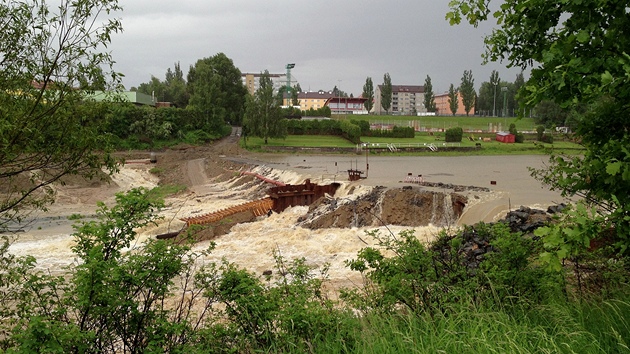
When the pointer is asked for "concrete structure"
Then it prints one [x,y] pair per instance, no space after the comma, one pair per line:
[252,81]
[444,109]
[406,100]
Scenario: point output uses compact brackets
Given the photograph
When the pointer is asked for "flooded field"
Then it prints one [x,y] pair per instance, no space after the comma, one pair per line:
[251,244]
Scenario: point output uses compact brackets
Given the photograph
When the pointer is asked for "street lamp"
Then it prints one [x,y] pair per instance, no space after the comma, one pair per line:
[494,104]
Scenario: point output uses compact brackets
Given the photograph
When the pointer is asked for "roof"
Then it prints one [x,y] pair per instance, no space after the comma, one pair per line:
[260,74]
[406,88]
[313,95]
[127,96]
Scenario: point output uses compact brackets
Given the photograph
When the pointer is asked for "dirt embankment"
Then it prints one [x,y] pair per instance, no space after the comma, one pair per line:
[407,206]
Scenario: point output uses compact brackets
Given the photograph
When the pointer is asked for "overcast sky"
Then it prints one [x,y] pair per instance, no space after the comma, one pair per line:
[332,43]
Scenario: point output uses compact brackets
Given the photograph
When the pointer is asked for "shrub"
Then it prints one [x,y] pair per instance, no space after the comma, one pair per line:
[454,135]
[350,131]
[540,131]
[483,264]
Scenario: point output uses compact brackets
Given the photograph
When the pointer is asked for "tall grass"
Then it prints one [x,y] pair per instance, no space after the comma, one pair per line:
[588,327]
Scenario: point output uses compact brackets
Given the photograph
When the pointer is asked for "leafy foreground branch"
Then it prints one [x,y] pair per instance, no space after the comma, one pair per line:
[479,291]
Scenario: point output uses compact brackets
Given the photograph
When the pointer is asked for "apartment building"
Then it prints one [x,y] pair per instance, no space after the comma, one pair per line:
[252,81]
[314,100]
[443,107]
[406,100]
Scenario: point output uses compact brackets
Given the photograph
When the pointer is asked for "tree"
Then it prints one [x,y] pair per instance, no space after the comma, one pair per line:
[549,114]
[216,90]
[453,103]
[294,97]
[45,54]
[263,116]
[154,88]
[467,90]
[429,95]
[578,54]
[386,93]
[368,93]
[519,83]
[176,87]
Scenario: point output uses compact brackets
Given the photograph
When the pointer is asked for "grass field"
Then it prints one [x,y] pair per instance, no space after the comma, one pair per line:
[491,147]
[445,122]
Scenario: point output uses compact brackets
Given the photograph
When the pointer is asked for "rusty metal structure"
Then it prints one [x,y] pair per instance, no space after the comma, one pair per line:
[280,197]
[300,194]
[257,207]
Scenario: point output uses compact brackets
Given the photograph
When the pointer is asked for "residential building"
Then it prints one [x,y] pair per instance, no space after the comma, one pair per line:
[406,100]
[337,105]
[443,108]
[252,81]
[314,100]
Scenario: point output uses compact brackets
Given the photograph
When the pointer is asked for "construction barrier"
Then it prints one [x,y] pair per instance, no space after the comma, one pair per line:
[257,207]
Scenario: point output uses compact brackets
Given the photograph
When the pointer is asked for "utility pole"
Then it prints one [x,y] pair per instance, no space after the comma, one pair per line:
[494,104]
[504,89]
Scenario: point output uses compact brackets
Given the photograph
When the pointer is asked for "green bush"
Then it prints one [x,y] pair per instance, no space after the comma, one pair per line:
[454,135]
[540,132]
[350,131]
[483,264]
[363,124]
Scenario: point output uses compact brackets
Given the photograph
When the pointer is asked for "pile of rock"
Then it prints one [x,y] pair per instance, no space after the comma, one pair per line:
[475,245]
[527,220]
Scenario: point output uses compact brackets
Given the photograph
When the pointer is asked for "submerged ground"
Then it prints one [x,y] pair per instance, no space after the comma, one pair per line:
[324,233]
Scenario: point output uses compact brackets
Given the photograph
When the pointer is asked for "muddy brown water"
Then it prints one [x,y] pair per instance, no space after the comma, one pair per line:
[251,245]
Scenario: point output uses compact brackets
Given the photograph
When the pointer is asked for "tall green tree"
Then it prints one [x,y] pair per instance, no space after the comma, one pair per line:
[467,89]
[217,91]
[453,99]
[429,95]
[368,93]
[489,100]
[386,93]
[172,89]
[176,86]
[263,115]
[45,54]
[519,82]
[294,96]
[581,53]
[154,88]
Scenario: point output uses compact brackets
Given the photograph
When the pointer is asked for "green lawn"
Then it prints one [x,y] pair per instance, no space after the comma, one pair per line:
[445,122]
[301,141]
[491,147]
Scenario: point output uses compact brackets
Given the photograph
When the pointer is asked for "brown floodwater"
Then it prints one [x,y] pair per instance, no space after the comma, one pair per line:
[251,245]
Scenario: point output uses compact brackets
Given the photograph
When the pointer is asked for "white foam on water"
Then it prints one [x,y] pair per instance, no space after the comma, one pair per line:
[250,245]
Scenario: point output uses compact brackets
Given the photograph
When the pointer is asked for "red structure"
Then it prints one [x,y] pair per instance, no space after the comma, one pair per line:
[301,194]
[347,105]
[506,137]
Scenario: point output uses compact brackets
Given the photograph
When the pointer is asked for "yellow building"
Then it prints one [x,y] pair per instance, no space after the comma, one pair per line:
[308,100]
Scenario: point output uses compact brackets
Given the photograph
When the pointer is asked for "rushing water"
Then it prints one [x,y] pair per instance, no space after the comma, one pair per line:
[251,244]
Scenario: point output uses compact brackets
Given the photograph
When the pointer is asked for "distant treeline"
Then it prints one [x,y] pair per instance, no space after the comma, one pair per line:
[127,126]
